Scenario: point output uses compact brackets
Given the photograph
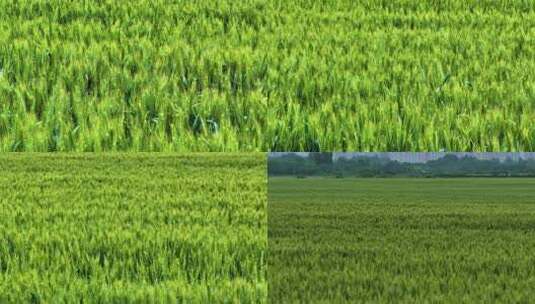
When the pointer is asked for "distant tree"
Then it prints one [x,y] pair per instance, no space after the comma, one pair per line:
[392,168]
[321,158]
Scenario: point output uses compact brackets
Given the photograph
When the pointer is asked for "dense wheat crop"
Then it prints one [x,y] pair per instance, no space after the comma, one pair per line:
[405,75]
[132,75]
[401,240]
[267,75]
[133,229]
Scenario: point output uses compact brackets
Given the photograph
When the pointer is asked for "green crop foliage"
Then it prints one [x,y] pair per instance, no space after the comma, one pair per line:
[134,228]
[260,75]
[132,75]
[401,240]
[400,75]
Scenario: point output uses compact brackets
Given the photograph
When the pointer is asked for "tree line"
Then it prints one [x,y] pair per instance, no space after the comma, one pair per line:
[323,164]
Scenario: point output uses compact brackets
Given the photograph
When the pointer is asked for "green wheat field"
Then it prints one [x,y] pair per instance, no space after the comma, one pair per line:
[133,228]
[259,75]
[401,240]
